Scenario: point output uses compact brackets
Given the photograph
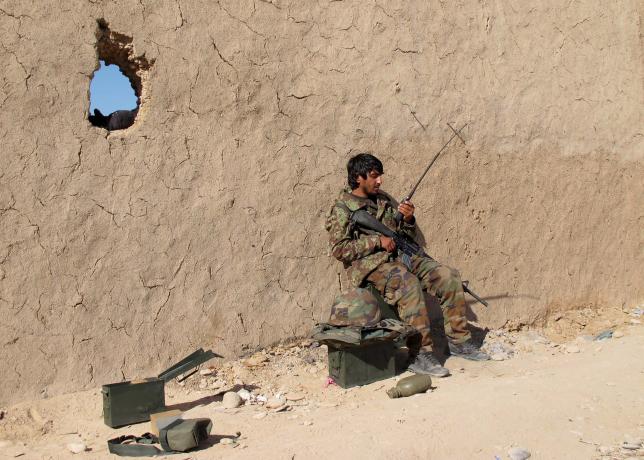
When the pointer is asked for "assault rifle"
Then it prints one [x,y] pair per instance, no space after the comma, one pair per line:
[404,244]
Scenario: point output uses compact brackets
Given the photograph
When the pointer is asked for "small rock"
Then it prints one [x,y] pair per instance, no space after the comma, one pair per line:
[256,360]
[275,402]
[231,400]
[294,396]
[244,394]
[216,384]
[635,321]
[206,371]
[572,349]
[499,357]
[260,415]
[632,440]
[76,447]
[518,453]
[618,334]
[307,423]
[226,441]
[313,370]
[631,446]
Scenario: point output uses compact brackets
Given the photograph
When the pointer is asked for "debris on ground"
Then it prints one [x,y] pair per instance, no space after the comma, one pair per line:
[604,335]
[518,453]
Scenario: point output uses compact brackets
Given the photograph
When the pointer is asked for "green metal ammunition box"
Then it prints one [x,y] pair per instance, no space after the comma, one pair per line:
[352,366]
[125,403]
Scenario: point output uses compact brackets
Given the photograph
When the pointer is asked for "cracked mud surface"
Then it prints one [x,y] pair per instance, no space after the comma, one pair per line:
[202,225]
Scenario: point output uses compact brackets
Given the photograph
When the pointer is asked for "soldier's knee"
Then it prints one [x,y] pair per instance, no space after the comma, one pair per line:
[402,284]
[411,290]
[447,278]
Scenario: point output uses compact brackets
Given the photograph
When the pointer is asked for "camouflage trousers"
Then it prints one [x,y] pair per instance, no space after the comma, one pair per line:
[403,288]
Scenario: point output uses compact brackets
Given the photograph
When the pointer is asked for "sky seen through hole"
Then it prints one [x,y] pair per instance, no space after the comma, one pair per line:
[110,90]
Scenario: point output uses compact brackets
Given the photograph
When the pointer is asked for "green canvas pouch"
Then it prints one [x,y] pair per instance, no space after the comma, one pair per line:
[180,436]
[183,435]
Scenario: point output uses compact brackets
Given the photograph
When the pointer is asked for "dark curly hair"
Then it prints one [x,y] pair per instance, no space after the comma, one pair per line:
[361,165]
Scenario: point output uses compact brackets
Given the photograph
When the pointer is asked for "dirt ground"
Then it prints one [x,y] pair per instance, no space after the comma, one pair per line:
[553,391]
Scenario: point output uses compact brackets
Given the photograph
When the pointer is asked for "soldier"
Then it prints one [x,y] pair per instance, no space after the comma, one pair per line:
[374,259]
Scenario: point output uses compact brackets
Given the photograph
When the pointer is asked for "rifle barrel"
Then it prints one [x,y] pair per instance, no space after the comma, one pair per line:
[413,190]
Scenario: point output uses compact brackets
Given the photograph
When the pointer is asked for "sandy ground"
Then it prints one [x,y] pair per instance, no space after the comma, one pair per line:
[559,393]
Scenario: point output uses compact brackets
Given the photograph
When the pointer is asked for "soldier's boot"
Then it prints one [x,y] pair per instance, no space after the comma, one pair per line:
[426,363]
[468,350]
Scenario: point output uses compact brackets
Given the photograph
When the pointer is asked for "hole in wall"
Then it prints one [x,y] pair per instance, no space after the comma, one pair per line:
[113,104]
[118,84]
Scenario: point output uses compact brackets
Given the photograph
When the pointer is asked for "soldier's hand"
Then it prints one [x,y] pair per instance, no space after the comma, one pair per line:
[388,244]
[406,208]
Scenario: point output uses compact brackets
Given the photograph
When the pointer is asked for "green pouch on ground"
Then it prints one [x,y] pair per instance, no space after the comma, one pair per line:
[125,403]
[180,436]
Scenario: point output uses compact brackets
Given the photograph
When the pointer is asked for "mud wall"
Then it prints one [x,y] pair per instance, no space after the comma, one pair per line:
[202,225]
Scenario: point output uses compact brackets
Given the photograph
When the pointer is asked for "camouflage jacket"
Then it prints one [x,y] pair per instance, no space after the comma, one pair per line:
[359,252]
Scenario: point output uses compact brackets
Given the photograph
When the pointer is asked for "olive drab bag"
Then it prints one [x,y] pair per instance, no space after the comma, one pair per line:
[360,317]
[180,436]
[384,330]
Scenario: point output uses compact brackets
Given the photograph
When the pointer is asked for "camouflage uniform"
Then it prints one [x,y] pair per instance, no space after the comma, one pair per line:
[367,262]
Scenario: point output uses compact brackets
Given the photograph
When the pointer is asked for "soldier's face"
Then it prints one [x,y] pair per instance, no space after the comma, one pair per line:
[370,185]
